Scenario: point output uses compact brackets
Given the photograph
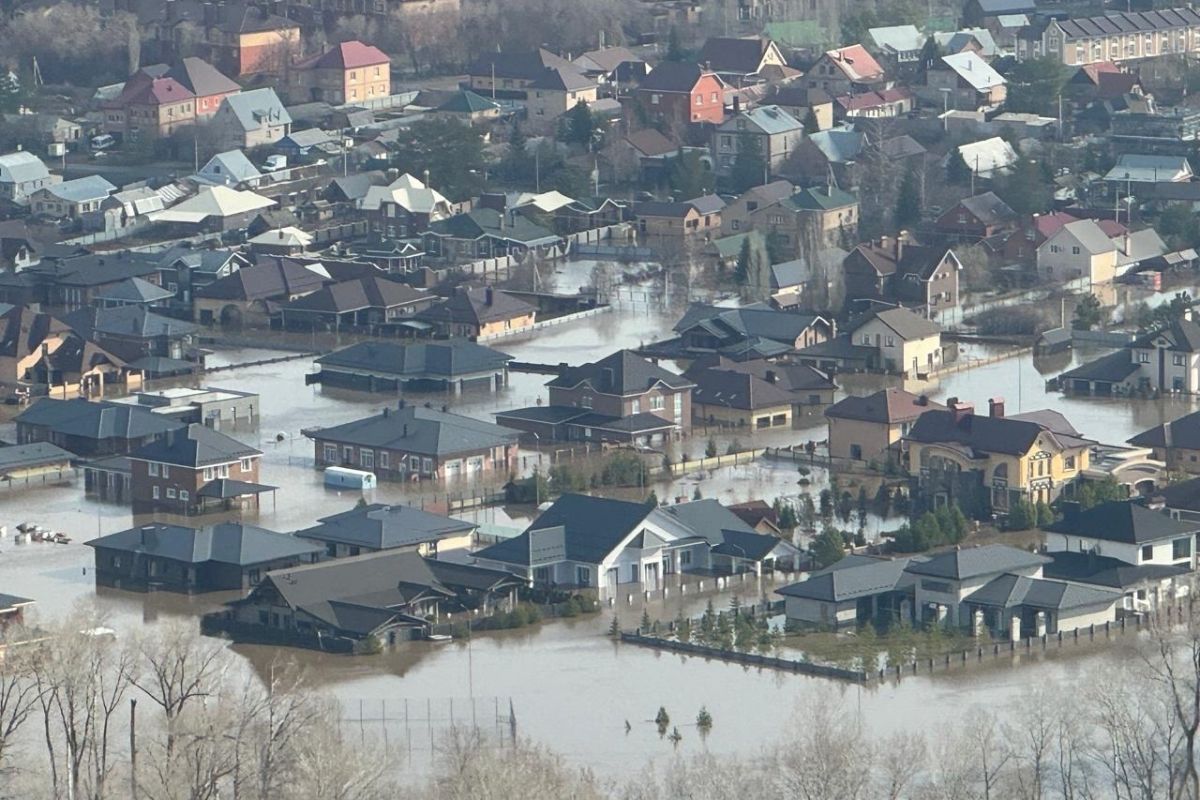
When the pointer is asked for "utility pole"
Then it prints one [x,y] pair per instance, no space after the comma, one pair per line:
[132,749]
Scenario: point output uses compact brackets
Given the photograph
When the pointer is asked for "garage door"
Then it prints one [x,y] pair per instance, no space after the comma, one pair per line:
[475,464]
[453,468]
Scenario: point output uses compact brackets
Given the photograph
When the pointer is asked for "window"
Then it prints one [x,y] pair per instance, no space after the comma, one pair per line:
[154,492]
[170,492]
[246,463]
[208,471]
[1074,251]
[635,407]
[1143,358]
[866,339]
[678,406]
[223,471]
[1181,548]
[1177,359]
[152,468]
[348,454]
[656,402]
[1147,552]
[414,463]
[384,460]
[654,99]
[366,458]
[586,401]
[699,99]
[891,341]
[685,558]
[330,455]
[183,495]
[166,470]
[583,576]
[1069,462]
[427,464]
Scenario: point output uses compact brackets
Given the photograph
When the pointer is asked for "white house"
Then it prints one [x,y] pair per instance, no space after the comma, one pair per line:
[907,342]
[1078,250]
[21,174]
[988,158]
[616,545]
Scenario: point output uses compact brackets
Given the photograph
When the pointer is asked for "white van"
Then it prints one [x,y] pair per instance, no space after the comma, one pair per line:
[103,141]
[346,478]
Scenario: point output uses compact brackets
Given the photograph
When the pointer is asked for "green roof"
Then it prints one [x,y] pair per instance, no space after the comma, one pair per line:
[821,198]
[467,102]
[731,246]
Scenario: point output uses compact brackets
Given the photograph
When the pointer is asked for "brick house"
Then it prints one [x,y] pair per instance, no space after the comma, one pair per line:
[150,107]
[350,72]
[847,70]
[179,470]
[682,93]
[896,270]
[976,218]
[415,443]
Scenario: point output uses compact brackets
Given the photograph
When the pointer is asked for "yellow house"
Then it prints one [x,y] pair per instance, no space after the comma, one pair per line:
[739,399]
[351,72]
[994,461]
[870,428]
[906,342]
[555,92]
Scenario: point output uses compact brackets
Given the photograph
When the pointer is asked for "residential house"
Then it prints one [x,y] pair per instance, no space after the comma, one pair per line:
[679,219]
[151,105]
[486,233]
[735,216]
[1145,553]
[618,546]
[241,39]
[360,604]
[183,270]
[1176,442]
[211,406]
[228,556]
[71,199]
[680,93]
[1114,36]
[251,119]
[368,304]
[231,168]
[192,470]
[373,527]
[964,81]
[479,313]
[1031,232]
[856,590]
[509,74]
[832,152]
[808,388]
[898,271]
[981,12]
[248,296]
[811,218]
[207,84]
[1163,360]
[1079,249]
[973,219]
[22,175]
[12,614]
[405,207]
[621,398]
[749,332]
[813,107]
[906,342]
[133,333]
[791,280]
[469,107]
[453,365]
[286,241]
[411,443]
[846,71]
[347,73]
[744,61]
[91,429]
[1137,174]
[880,104]
[23,462]
[40,354]
[615,66]
[214,209]
[871,428]
[994,461]
[900,44]
[728,397]
[555,92]
[769,131]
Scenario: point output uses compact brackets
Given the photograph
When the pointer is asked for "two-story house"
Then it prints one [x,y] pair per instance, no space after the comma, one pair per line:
[769,131]
[755,331]
[479,313]
[904,341]
[251,119]
[846,70]
[347,73]
[994,461]
[509,73]
[555,92]
[898,271]
[1176,442]
[973,219]
[870,428]
[964,81]
[1079,250]
[744,60]
[679,93]
[621,398]
[192,470]
[821,216]
[151,105]
[1114,36]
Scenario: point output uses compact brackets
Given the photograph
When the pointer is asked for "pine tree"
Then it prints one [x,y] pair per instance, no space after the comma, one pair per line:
[908,202]
[741,270]
[957,170]
[749,167]
[675,50]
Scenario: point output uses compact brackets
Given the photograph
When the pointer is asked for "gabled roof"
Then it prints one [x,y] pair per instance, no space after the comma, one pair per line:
[488,222]
[435,358]
[1127,522]
[1150,169]
[213,201]
[230,167]
[838,145]
[408,193]
[354,295]
[1180,335]
[234,543]
[201,78]
[795,378]
[974,562]
[476,306]
[740,390]
[88,420]
[144,90]
[741,56]
[988,209]
[607,59]
[651,143]
[821,198]
[268,279]
[988,155]
[424,431]
[256,109]
[134,290]
[383,527]
[128,320]
[907,324]
[82,190]
[194,446]
[1099,570]
[856,64]
[897,38]
[768,119]
[674,76]
[1117,22]
[974,70]
[22,167]
[1089,235]
[523,65]
[562,79]
[1182,432]
[348,55]
[891,406]
[622,373]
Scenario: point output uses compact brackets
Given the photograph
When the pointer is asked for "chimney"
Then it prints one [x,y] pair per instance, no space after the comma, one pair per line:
[489,295]
[404,432]
[737,104]
[386,412]
[922,400]
[901,240]
[959,409]
[1167,441]
[147,534]
[996,407]
[770,376]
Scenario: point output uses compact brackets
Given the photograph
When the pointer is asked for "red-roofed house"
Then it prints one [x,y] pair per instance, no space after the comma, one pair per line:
[1023,244]
[350,72]
[847,70]
[884,103]
[206,82]
[683,93]
[150,107]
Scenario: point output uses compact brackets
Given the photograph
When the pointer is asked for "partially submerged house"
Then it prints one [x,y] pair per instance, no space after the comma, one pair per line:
[453,365]
[375,526]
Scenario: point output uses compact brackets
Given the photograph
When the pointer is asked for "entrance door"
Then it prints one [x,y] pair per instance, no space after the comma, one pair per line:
[610,580]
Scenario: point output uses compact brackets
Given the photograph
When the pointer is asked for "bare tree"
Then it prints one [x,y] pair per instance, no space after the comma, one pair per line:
[1172,660]
[18,695]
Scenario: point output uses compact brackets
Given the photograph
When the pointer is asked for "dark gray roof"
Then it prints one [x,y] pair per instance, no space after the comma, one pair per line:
[643,422]
[1106,571]
[849,579]
[885,406]
[133,321]
[1007,591]
[973,562]
[907,324]
[756,321]
[382,527]
[225,543]
[734,55]
[1185,433]
[989,209]
[443,358]
[551,415]
[11,602]
[1184,495]
[134,290]
[732,389]
[355,295]
[623,373]
[1112,368]
[795,378]
[1181,334]
[591,527]
[101,420]
[226,488]
[194,446]
[424,431]
[20,456]
[672,76]
[985,434]
[1126,522]
[267,279]
[476,306]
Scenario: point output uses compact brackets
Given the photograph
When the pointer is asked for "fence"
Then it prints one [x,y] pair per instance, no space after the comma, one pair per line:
[547,323]
[748,659]
[694,583]
[712,462]
[414,726]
